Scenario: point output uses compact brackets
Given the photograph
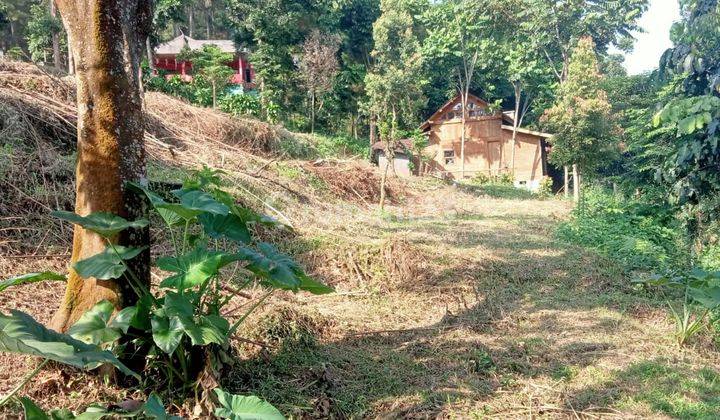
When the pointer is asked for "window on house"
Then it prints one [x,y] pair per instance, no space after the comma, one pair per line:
[248,76]
[472,113]
[449,157]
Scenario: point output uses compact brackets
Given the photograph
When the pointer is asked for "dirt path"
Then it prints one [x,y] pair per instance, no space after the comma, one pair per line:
[452,304]
[487,314]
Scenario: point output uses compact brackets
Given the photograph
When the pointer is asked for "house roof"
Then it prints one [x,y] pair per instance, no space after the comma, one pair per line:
[526,131]
[449,104]
[507,116]
[175,45]
[400,146]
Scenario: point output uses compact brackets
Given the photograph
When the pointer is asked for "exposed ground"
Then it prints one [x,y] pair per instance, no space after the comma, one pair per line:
[453,303]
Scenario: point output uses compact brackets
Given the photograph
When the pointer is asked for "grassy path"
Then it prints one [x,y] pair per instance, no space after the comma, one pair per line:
[479,311]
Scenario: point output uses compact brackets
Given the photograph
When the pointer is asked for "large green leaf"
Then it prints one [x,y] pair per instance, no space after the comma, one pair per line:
[228,225]
[104,224]
[239,407]
[193,268]
[163,208]
[107,264]
[313,286]
[166,332]
[202,330]
[20,333]
[31,278]
[154,409]
[279,270]
[33,412]
[201,201]
[93,328]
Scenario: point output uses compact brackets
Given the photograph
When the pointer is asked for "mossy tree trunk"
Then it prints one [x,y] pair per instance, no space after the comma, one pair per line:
[107,39]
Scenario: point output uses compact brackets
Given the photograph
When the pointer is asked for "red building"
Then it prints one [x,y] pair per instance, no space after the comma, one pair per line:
[166,59]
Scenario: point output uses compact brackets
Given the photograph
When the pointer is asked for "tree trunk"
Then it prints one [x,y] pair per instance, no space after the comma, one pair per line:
[516,125]
[107,42]
[576,184]
[57,62]
[463,101]
[191,21]
[208,19]
[566,187]
[149,52]
[214,96]
[312,112]
[383,179]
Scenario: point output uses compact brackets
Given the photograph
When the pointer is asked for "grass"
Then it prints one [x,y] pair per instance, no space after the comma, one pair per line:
[470,308]
[456,303]
[638,233]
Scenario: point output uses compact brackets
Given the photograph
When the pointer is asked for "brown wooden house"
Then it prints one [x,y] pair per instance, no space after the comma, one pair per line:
[488,144]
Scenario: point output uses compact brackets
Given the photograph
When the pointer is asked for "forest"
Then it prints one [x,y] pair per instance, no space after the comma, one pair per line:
[204,211]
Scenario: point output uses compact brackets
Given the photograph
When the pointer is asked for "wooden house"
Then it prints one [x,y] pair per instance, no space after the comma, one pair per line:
[488,144]
[165,58]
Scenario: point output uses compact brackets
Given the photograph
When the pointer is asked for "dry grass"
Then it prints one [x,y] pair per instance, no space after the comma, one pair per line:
[453,303]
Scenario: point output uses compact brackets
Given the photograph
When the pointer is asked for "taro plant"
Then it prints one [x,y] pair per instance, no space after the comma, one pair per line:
[178,331]
[700,296]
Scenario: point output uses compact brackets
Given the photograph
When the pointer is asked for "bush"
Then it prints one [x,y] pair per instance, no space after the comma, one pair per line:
[241,104]
[637,233]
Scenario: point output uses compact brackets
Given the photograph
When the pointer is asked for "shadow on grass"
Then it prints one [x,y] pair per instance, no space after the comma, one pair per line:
[478,352]
[502,191]
[662,386]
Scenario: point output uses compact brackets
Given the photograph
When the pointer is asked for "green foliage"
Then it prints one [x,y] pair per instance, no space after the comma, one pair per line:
[151,409]
[394,86]
[581,119]
[241,104]
[701,294]
[104,224]
[31,278]
[40,29]
[238,407]
[184,315]
[639,233]
[690,119]
[553,27]
[20,333]
[109,264]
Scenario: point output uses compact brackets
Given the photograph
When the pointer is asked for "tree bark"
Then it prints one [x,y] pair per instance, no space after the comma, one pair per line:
[516,125]
[312,112]
[576,184]
[149,52]
[106,40]
[208,19]
[463,101]
[191,21]
[57,62]
[566,187]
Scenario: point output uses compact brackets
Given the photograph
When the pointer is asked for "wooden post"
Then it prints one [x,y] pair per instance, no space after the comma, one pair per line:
[576,183]
[567,183]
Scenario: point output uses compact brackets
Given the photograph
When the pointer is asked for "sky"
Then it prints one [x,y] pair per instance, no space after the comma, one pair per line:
[652,44]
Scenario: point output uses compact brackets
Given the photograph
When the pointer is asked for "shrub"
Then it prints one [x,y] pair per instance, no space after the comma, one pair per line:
[180,327]
[241,104]
[635,232]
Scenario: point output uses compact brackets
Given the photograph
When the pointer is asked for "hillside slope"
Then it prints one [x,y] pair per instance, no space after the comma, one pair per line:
[451,303]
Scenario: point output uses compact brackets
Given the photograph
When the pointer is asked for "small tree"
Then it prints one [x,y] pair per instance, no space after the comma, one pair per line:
[581,118]
[394,86]
[318,67]
[460,37]
[211,63]
[528,74]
